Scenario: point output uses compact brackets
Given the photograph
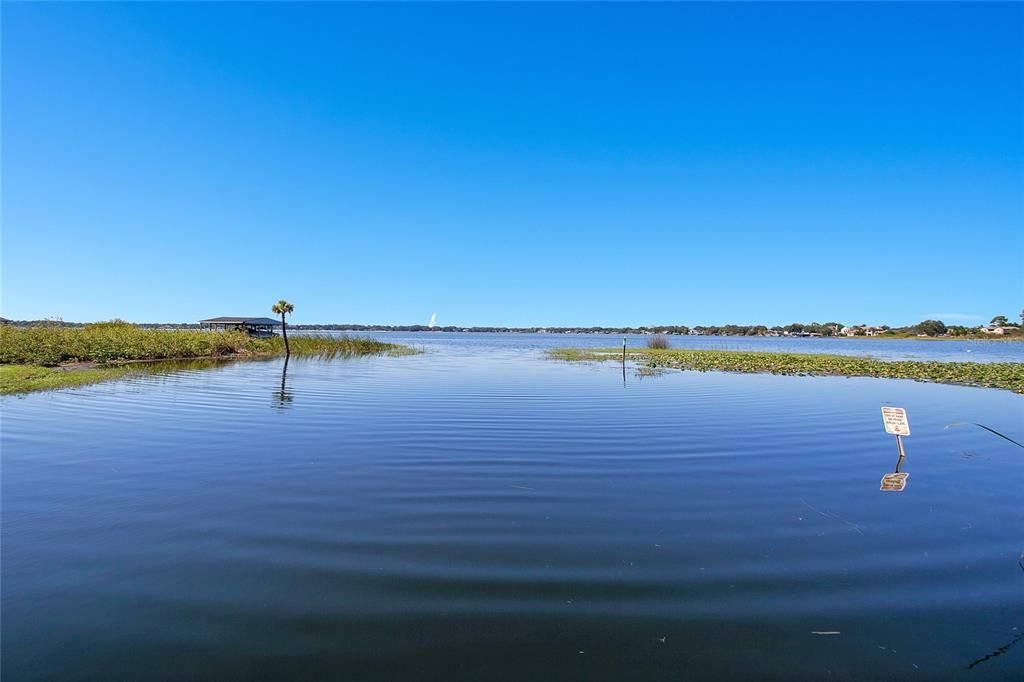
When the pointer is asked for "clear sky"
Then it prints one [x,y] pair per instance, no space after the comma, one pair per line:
[514,164]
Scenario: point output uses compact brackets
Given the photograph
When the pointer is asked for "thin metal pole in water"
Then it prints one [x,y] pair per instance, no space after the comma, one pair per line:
[623,351]
[899,445]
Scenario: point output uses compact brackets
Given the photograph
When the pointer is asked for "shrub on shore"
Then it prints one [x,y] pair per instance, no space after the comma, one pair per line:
[116,341]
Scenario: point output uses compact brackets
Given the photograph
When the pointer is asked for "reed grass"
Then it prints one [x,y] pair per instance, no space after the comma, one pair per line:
[327,346]
[657,342]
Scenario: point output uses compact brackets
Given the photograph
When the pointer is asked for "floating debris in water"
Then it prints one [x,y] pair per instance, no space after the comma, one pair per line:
[1003,436]
[832,516]
[999,651]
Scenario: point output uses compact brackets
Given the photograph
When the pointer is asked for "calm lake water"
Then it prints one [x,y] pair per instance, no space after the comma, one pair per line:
[884,349]
[479,512]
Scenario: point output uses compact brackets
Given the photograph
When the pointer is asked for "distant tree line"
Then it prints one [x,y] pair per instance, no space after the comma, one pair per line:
[923,328]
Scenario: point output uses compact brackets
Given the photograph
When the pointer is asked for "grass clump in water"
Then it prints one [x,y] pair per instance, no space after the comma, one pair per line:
[1006,375]
[327,346]
[658,342]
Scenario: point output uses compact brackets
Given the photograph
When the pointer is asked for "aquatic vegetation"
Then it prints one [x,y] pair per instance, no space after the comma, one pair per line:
[324,345]
[1006,375]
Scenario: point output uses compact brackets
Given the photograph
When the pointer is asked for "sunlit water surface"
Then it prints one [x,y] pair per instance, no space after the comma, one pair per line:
[480,512]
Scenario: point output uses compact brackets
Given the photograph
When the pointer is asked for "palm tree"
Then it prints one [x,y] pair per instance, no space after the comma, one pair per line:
[283,308]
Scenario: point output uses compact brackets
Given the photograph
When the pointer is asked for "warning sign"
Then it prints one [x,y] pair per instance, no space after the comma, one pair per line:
[894,482]
[895,420]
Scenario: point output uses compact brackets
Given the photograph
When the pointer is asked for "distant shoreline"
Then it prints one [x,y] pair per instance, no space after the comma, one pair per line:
[550,331]
[888,337]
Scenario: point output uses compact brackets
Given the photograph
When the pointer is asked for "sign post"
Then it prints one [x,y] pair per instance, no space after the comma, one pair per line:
[896,423]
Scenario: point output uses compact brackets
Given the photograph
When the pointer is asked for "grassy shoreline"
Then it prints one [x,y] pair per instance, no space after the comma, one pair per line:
[48,357]
[17,379]
[1004,375]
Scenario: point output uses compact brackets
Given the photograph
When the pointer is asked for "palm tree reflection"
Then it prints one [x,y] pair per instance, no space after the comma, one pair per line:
[283,397]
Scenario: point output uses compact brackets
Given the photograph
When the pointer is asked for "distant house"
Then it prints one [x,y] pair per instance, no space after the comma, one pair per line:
[993,329]
[261,327]
[861,330]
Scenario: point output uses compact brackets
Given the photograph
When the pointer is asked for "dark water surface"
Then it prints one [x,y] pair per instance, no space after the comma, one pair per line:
[480,513]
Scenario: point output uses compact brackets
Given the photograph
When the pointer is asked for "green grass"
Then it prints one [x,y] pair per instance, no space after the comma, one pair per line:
[27,378]
[110,342]
[1006,375]
[36,358]
[323,345]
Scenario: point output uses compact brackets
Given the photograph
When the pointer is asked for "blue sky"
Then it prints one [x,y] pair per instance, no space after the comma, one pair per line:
[514,164]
